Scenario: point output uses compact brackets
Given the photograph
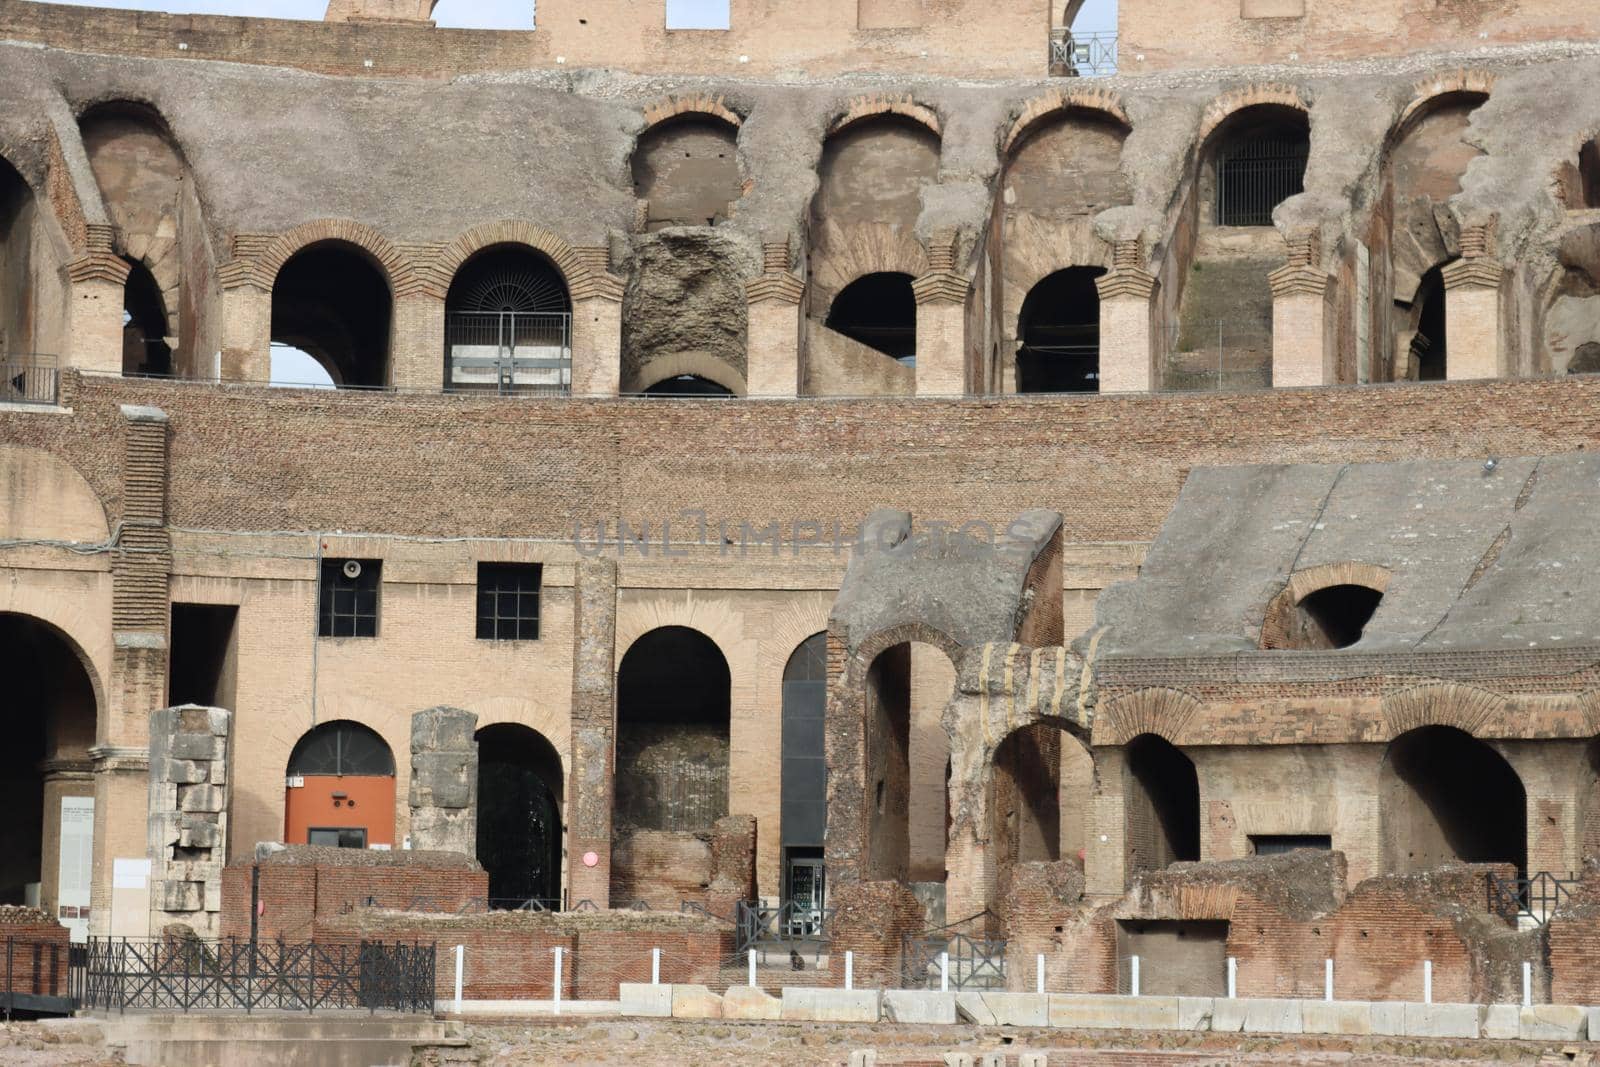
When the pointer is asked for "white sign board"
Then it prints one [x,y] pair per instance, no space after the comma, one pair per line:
[75,870]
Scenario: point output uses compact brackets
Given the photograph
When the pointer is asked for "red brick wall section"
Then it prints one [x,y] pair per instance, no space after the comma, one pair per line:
[34,954]
[662,868]
[872,919]
[1575,955]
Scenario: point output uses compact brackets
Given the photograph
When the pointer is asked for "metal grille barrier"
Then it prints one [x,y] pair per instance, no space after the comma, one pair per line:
[1083,55]
[1535,898]
[1255,176]
[28,379]
[787,928]
[509,352]
[957,960]
[123,974]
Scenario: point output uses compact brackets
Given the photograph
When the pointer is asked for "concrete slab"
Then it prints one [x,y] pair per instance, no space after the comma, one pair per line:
[1257,1015]
[1594,1024]
[1194,1013]
[750,1003]
[1336,1017]
[919,1006]
[695,1002]
[971,1008]
[1388,1017]
[651,1001]
[1443,1020]
[1503,1022]
[1099,1012]
[1018,1009]
[1554,1022]
[865,1057]
[831,1005]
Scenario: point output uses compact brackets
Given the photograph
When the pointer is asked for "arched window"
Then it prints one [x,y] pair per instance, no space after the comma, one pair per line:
[18,328]
[1059,331]
[332,302]
[686,169]
[879,311]
[1447,797]
[144,325]
[1259,160]
[508,324]
[1589,176]
[687,385]
[1161,798]
[340,788]
[519,816]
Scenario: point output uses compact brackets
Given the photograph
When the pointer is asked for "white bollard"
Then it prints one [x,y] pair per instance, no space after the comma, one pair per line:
[1527,984]
[461,961]
[557,997]
[849,970]
[1038,982]
[752,968]
[655,966]
[1135,961]
[1233,978]
[944,972]
[1327,980]
[1427,981]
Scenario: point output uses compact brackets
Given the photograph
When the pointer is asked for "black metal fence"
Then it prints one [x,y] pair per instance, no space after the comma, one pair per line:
[28,379]
[1255,175]
[956,961]
[122,974]
[1535,898]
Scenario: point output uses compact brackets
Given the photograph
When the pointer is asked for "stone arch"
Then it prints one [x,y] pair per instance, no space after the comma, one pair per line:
[342,778]
[1045,106]
[395,265]
[580,278]
[1429,92]
[670,107]
[1165,713]
[1464,707]
[521,795]
[677,364]
[1230,104]
[1445,796]
[861,108]
[686,170]
[60,625]
[1282,626]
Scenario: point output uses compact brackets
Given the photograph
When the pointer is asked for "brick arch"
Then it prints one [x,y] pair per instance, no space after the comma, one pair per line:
[861,108]
[1229,104]
[716,620]
[698,363]
[1427,93]
[1465,707]
[671,107]
[1280,610]
[396,266]
[580,279]
[877,642]
[1062,101]
[790,626]
[1166,713]
[64,623]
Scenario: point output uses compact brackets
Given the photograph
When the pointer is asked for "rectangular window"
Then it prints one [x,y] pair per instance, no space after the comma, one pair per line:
[337,838]
[508,601]
[698,15]
[348,598]
[1278,844]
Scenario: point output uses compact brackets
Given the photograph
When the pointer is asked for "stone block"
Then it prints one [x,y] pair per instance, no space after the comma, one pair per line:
[1033,1059]
[208,798]
[1194,1013]
[1388,1018]
[185,771]
[863,1057]
[199,833]
[1018,1009]
[1336,1017]
[1594,1024]
[219,772]
[1105,1012]
[1554,1022]
[831,1005]
[205,747]
[1443,1020]
[443,729]
[971,1008]
[181,896]
[748,1002]
[1257,1015]
[695,1002]
[442,779]
[1502,1022]
[919,1006]
[652,1001]
[219,721]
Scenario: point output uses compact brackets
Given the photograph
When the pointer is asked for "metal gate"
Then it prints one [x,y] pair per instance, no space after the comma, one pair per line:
[1256,176]
[509,352]
[954,960]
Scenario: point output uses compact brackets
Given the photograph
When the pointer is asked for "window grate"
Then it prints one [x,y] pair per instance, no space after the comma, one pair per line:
[348,595]
[508,601]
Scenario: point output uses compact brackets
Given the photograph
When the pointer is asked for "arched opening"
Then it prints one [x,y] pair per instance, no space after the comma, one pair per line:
[1589,779]
[1428,352]
[1059,332]
[907,689]
[340,788]
[508,324]
[46,775]
[1449,798]
[686,170]
[804,783]
[18,218]
[145,350]
[674,701]
[1161,804]
[333,303]
[1258,160]
[1025,796]
[1333,617]
[1589,176]
[687,385]
[879,311]
[519,816]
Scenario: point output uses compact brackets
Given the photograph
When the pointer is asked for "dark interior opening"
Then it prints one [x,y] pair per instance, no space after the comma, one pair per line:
[16,263]
[1260,155]
[144,325]
[804,784]
[1430,346]
[687,385]
[508,323]
[332,303]
[1162,801]
[519,816]
[1589,174]
[888,764]
[879,311]
[1450,798]
[204,656]
[1060,333]
[1336,617]
[342,748]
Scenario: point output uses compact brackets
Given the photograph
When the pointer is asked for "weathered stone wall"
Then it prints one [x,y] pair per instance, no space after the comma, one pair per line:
[444,781]
[190,801]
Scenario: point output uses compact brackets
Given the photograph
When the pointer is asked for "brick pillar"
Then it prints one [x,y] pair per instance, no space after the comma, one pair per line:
[444,781]
[416,347]
[246,333]
[594,712]
[1105,852]
[1472,309]
[772,355]
[941,324]
[97,280]
[596,326]
[1127,354]
[1301,354]
[188,816]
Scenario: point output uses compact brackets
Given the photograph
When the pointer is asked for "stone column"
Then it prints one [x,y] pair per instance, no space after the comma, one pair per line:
[969,859]
[444,781]
[941,324]
[596,326]
[594,705]
[1472,309]
[416,348]
[246,333]
[188,816]
[1300,316]
[97,281]
[772,355]
[1127,351]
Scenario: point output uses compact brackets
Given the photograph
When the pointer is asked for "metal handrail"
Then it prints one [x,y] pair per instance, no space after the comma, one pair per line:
[1537,896]
[1083,55]
[29,378]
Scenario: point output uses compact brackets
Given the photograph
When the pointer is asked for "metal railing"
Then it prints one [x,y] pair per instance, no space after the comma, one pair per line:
[1255,176]
[28,378]
[1535,898]
[1082,55]
[787,925]
[508,352]
[122,974]
[955,960]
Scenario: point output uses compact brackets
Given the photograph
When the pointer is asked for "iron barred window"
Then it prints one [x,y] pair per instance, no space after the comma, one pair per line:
[348,594]
[508,601]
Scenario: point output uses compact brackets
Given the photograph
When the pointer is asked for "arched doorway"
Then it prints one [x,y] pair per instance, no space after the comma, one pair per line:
[332,302]
[804,783]
[1448,797]
[879,311]
[1059,334]
[508,324]
[687,385]
[46,780]
[340,788]
[519,816]
[1161,804]
[144,325]
[1258,160]
[1429,348]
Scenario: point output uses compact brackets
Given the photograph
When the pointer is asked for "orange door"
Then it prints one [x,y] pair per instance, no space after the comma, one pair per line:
[328,804]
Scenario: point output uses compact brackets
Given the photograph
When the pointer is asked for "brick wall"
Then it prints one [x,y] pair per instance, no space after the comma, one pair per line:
[34,955]
[872,919]
[1575,956]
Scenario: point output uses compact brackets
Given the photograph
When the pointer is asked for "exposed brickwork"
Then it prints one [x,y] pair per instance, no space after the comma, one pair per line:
[873,919]
[35,957]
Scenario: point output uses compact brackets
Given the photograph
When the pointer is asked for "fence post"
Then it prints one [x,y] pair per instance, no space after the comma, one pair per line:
[1327,980]
[1233,978]
[461,961]
[1134,960]
[655,966]
[1427,981]
[752,968]
[1039,973]
[850,969]
[1527,984]
[557,997]
[944,972]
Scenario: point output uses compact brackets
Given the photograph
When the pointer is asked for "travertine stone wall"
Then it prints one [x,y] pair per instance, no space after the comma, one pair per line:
[189,811]
[444,781]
